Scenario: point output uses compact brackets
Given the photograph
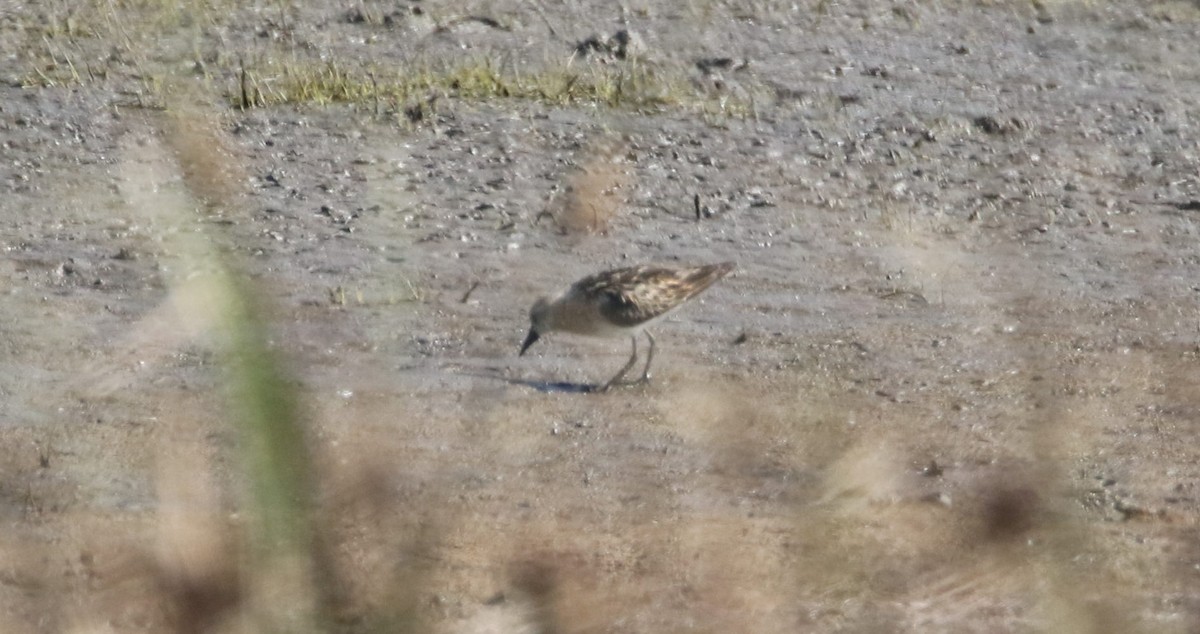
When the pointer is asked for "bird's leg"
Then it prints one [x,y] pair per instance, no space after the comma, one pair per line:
[649,359]
[628,364]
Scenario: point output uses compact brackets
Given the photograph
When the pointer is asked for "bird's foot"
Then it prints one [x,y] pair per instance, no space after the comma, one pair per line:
[611,384]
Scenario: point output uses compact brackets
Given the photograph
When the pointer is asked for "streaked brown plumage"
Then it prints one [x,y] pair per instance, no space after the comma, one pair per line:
[621,302]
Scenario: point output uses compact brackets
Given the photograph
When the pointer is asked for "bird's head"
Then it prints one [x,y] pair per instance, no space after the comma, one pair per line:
[539,317]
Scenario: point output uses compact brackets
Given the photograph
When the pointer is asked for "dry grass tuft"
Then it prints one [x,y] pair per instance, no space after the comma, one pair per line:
[196,563]
[211,170]
[593,195]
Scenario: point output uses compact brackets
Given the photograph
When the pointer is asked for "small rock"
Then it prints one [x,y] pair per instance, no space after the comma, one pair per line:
[708,65]
[992,125]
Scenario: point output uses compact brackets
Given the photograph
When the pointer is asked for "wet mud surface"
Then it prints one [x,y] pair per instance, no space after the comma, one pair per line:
[951,386]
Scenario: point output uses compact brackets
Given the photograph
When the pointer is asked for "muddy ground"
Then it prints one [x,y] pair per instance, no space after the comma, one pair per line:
[951,386]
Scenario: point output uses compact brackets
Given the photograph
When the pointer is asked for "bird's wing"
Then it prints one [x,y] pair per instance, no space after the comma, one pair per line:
[628,297]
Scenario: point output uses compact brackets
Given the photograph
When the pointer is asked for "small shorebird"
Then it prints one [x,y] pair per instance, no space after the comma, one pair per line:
[621,302]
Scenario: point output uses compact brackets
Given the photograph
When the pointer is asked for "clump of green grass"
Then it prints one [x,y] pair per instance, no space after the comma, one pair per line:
[68,50]
[634,86]
[407,91]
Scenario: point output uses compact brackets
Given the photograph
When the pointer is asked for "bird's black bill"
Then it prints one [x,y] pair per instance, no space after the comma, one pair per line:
[532,337]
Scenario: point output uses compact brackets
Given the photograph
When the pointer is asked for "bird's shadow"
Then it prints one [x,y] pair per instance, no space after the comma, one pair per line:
[548,387]
[565,387]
